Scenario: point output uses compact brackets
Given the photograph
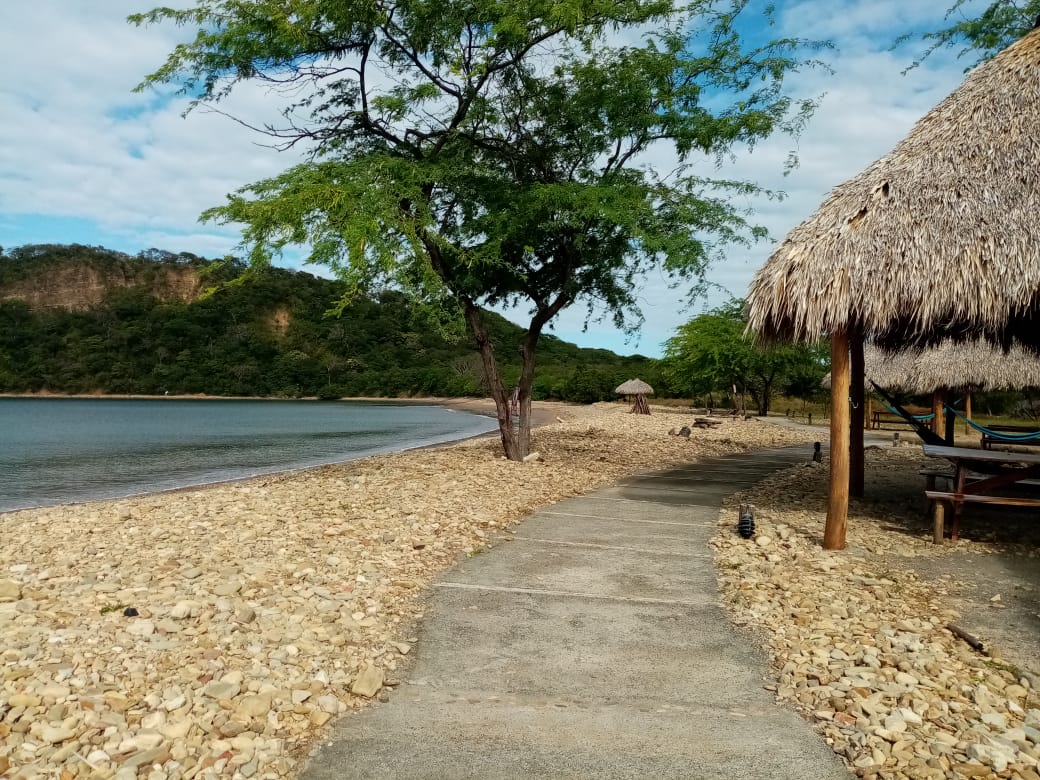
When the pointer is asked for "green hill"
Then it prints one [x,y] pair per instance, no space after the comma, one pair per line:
[77,319]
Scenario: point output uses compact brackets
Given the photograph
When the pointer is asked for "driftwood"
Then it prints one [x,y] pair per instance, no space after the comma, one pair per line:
[706,422]
[973,641]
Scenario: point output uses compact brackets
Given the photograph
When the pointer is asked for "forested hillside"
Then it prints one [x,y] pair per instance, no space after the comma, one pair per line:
[77,319]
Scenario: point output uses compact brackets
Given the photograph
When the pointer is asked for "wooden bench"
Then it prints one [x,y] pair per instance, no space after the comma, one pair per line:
[883,416]
[988,441]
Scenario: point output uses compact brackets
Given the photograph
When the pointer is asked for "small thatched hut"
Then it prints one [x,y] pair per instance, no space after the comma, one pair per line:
[640,390]
[936,240]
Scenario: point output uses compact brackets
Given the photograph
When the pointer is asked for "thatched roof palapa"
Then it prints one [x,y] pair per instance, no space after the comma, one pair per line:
[634,387]
[937,239]
[976,366]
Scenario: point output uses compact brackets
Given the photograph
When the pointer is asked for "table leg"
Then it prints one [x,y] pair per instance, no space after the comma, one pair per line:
[958,505]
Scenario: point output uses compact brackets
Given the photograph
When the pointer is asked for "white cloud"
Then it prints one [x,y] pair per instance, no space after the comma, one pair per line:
[75,142]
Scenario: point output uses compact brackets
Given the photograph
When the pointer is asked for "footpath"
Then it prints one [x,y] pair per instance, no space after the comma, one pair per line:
[592,645]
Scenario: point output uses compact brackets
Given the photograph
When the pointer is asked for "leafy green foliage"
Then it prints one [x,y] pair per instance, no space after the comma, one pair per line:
[271,335]
[479,152]
[710,353]
[1001,23]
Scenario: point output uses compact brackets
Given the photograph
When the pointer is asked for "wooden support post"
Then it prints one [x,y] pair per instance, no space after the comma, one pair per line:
[856,380]
[937,412]
[838,500]
[967,412]
[868,415]
[950,434]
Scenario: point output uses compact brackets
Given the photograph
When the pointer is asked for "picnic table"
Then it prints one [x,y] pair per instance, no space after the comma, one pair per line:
[883,417]
[977,477]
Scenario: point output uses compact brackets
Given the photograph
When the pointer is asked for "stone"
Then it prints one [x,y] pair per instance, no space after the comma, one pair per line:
[141,628]
[987,754]
[245,614]
[368,682]
[24,700]
[228,588]
[184,609]
[158,755]
[10,590]
[56,734]
[253,706]
[763,541]
[994,719]
[218,689]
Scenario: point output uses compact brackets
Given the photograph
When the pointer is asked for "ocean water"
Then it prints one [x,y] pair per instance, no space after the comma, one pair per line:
[60,450]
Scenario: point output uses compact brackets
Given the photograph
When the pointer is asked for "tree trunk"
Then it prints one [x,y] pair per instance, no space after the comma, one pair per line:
[510,441]
[856,393]
[838,499]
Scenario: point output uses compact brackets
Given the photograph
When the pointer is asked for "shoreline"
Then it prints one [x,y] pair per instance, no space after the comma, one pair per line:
[268,607]
[541,415]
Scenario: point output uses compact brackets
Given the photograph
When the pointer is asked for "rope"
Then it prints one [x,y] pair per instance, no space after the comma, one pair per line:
[921,417]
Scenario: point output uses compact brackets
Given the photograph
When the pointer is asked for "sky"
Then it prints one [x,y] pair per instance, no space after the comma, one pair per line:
[84,159]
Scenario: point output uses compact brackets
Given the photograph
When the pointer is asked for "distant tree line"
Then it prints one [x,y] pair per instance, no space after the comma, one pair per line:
[269,333]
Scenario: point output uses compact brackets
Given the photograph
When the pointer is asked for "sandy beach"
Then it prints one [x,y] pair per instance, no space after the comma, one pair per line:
[215,632]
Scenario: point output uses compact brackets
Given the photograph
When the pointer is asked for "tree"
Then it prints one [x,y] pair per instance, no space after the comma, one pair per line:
[478,153]
[711,352]
[1000,24]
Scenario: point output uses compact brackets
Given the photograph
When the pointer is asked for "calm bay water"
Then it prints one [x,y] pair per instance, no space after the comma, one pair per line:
[58,450]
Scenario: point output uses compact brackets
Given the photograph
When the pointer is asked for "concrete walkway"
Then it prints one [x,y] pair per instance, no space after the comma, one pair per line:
[593,645]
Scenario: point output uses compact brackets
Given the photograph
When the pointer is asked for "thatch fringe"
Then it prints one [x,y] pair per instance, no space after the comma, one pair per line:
[975,366]
[937,239]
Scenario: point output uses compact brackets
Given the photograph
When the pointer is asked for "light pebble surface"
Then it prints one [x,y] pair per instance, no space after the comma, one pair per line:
[268,607]
[859,643]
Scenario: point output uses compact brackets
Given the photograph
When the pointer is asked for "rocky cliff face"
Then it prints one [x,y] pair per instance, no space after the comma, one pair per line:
[83,286]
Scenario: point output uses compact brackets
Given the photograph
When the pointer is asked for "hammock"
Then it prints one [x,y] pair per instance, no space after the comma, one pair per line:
[926,434]
[904,413]
[1010,438]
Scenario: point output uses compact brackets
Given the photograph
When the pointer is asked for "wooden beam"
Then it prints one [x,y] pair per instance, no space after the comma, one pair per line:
[951,422]
[838,500]
[967,411]
[858,413]
[937,412]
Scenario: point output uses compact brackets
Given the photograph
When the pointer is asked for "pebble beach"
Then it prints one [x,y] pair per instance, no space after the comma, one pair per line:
[216,632]
[860,640]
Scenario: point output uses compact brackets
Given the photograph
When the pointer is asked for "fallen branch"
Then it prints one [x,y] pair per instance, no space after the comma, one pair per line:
[973,641]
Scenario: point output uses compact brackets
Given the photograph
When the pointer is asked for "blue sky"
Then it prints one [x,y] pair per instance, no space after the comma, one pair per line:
[84,160]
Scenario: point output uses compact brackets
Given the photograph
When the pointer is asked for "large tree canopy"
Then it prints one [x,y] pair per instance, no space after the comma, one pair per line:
[495,152]
[712,353]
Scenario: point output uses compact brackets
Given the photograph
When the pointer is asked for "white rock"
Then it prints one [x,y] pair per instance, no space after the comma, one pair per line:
[994,719]
[184,609]
[987,754]
[763,541]
[56,734]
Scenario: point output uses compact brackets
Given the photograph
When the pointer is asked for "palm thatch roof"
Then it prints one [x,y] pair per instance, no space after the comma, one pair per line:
[937,239]
[975,365]
[634,387]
